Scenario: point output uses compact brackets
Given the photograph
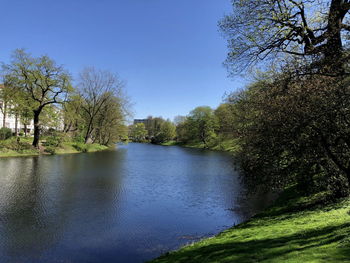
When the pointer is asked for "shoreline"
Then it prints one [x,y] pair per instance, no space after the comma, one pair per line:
[66,148]
[295,228]
[224,146]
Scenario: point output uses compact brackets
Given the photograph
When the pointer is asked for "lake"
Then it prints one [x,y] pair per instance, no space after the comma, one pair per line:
[127,205]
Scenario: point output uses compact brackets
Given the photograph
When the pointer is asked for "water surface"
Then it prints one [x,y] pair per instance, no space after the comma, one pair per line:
[128,205]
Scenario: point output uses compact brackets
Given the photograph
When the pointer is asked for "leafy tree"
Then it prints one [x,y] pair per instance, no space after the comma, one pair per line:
[260,29]
[166,132]
[294,129]
[110,126]
[52,118]
[153,126]
[5,133]
[183,130]
[138,132]
[225,114]
[41,80]
[202,124]
[72,117]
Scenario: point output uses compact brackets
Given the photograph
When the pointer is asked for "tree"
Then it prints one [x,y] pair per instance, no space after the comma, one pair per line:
[41,80]
[72,117]
[97,88]
[225,114]
[166,132]
[138,132]
[202,124]
[182,130]
[110,123]
[153,126]
[259,29]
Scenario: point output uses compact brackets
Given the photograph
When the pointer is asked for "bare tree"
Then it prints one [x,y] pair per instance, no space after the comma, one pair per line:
[97,88]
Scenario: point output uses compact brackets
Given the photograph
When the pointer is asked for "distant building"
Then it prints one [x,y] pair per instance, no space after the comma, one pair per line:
[144,121]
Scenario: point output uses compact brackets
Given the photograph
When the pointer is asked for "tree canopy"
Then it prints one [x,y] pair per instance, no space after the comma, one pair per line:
[261,29]
[41,81]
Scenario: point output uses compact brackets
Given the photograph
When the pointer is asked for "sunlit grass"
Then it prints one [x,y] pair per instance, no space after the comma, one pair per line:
[74,147]
[297,230]
[227,145]
[12,148]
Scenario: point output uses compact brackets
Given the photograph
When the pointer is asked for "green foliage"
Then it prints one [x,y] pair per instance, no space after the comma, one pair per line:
[282,30]
[293,130]
[102,107]
[5,133]
[138,132]
[167,132]
[81,147]
[15,146]
[50,149]
[54,141]
[39,82]
[200,125]
[79,138]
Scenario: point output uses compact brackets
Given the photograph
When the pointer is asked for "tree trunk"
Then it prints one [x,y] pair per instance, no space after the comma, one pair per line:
[4,116]
[36,128]
[334,48]
[88,131]
[16,124]
[25,129]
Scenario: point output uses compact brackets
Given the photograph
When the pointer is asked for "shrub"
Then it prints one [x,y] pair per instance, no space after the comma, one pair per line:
[79,138]
[81,147]
[50,149]
[14,144]
[5,133]
[53,141]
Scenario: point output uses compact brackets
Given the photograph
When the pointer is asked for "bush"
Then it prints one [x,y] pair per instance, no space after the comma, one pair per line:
[53,141]
[81,147]
[50,149]
[5,133]
[79,138]
[14,144]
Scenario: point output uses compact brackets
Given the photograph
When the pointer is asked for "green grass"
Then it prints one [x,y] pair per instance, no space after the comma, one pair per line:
[75,147]
[227,145]
[293,230]
[11,148]
[10,153]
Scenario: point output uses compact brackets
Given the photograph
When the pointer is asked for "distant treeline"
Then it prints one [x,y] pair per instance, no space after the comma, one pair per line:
[283,129]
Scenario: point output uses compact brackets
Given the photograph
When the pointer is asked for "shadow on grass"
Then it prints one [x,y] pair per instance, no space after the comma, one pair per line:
[271,248]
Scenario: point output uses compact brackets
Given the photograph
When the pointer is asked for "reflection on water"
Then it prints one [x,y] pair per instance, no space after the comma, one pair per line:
[128,205]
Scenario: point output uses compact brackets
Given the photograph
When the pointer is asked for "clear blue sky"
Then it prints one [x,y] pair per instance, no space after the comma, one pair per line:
[169,52]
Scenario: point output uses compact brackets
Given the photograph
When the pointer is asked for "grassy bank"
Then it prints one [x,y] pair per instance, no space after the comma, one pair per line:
[73,147]
[13,148]
[227,145]
[295,229]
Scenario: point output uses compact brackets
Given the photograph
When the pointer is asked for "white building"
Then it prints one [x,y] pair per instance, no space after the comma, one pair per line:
[11,122]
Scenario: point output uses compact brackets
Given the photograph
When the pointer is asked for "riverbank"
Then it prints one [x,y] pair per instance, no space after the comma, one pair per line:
[227,145]
[23,147]
[295,229]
